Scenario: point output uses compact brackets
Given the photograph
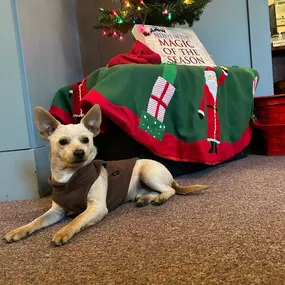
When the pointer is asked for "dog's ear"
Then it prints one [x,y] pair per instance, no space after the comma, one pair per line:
[92,120]
[45,122]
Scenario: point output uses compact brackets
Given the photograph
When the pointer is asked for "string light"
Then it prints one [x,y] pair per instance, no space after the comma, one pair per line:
[116,22]
[119,19]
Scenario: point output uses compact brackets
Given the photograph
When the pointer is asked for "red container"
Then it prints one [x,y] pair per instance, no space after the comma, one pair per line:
[274,137]
[270,112]
[270,109]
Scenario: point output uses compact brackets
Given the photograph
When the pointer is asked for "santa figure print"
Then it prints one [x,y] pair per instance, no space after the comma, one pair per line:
[210,102]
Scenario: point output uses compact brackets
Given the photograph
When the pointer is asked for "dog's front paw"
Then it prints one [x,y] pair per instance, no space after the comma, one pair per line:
[18,234]
[62,236]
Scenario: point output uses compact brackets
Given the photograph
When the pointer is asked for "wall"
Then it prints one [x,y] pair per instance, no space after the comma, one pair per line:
[39,55]
[96,50]
[14,131]
[18,175]
[259,25]
[50,49]
[223,29]
[233,38]
[51,59]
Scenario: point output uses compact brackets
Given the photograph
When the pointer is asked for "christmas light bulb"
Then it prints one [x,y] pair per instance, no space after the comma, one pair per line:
[139,8]
[121,38]
[142,2]
[104,33]
[188,2]
[114,12]
[128,4]
[165,12]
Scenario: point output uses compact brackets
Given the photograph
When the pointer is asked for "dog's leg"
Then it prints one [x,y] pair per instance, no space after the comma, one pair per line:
[140,193]
[165,190]
[163,197]
[94,213]
[157,177]
[53,215]
[145,197]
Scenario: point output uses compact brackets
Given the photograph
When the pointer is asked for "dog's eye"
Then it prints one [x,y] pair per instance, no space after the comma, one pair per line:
[85,140]
[63,142]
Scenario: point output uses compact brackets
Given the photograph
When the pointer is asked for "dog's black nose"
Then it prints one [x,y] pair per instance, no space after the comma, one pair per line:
[79,153]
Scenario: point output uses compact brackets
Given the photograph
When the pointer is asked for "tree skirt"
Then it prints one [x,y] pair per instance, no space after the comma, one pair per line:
[180,113]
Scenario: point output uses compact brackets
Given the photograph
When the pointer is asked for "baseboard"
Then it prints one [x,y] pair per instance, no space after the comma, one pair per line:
[18,175]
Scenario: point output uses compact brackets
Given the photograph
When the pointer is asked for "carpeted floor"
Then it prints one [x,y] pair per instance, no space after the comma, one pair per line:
[233,233]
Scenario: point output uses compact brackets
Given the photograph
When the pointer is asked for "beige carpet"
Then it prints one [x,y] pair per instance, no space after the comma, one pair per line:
[233,233]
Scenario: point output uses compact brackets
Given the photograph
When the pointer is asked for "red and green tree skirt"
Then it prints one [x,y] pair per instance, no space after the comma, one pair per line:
[115,23]
[206,120]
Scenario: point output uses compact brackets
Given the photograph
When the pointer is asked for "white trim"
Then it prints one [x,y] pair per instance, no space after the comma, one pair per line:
[225,72]
[201,112]
[213,140]
[215,120]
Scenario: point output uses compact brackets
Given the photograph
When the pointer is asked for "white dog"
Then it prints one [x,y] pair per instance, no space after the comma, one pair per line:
[91,188]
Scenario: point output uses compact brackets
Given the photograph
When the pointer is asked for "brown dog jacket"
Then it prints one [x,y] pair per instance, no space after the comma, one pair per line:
[72,196]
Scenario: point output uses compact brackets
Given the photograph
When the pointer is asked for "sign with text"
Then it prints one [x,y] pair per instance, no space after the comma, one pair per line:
[174,45]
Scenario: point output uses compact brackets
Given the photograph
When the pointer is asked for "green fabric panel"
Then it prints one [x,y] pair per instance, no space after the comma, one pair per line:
[62,99]
[235,103]
[170,73]
[251,71]
[129,85]
[96,76]
[181,118]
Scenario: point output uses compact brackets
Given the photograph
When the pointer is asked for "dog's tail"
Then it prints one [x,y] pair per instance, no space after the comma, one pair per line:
[184,190]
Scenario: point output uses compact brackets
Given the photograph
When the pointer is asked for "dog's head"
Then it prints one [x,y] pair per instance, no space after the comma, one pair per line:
[71,145]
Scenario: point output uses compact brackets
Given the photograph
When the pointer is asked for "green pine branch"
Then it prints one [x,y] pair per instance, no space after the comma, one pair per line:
[150,12]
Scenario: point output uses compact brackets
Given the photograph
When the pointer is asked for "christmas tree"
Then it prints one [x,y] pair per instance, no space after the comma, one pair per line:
[115,23]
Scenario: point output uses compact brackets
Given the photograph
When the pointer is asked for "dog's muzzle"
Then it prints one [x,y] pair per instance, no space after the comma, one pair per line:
[79,154]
